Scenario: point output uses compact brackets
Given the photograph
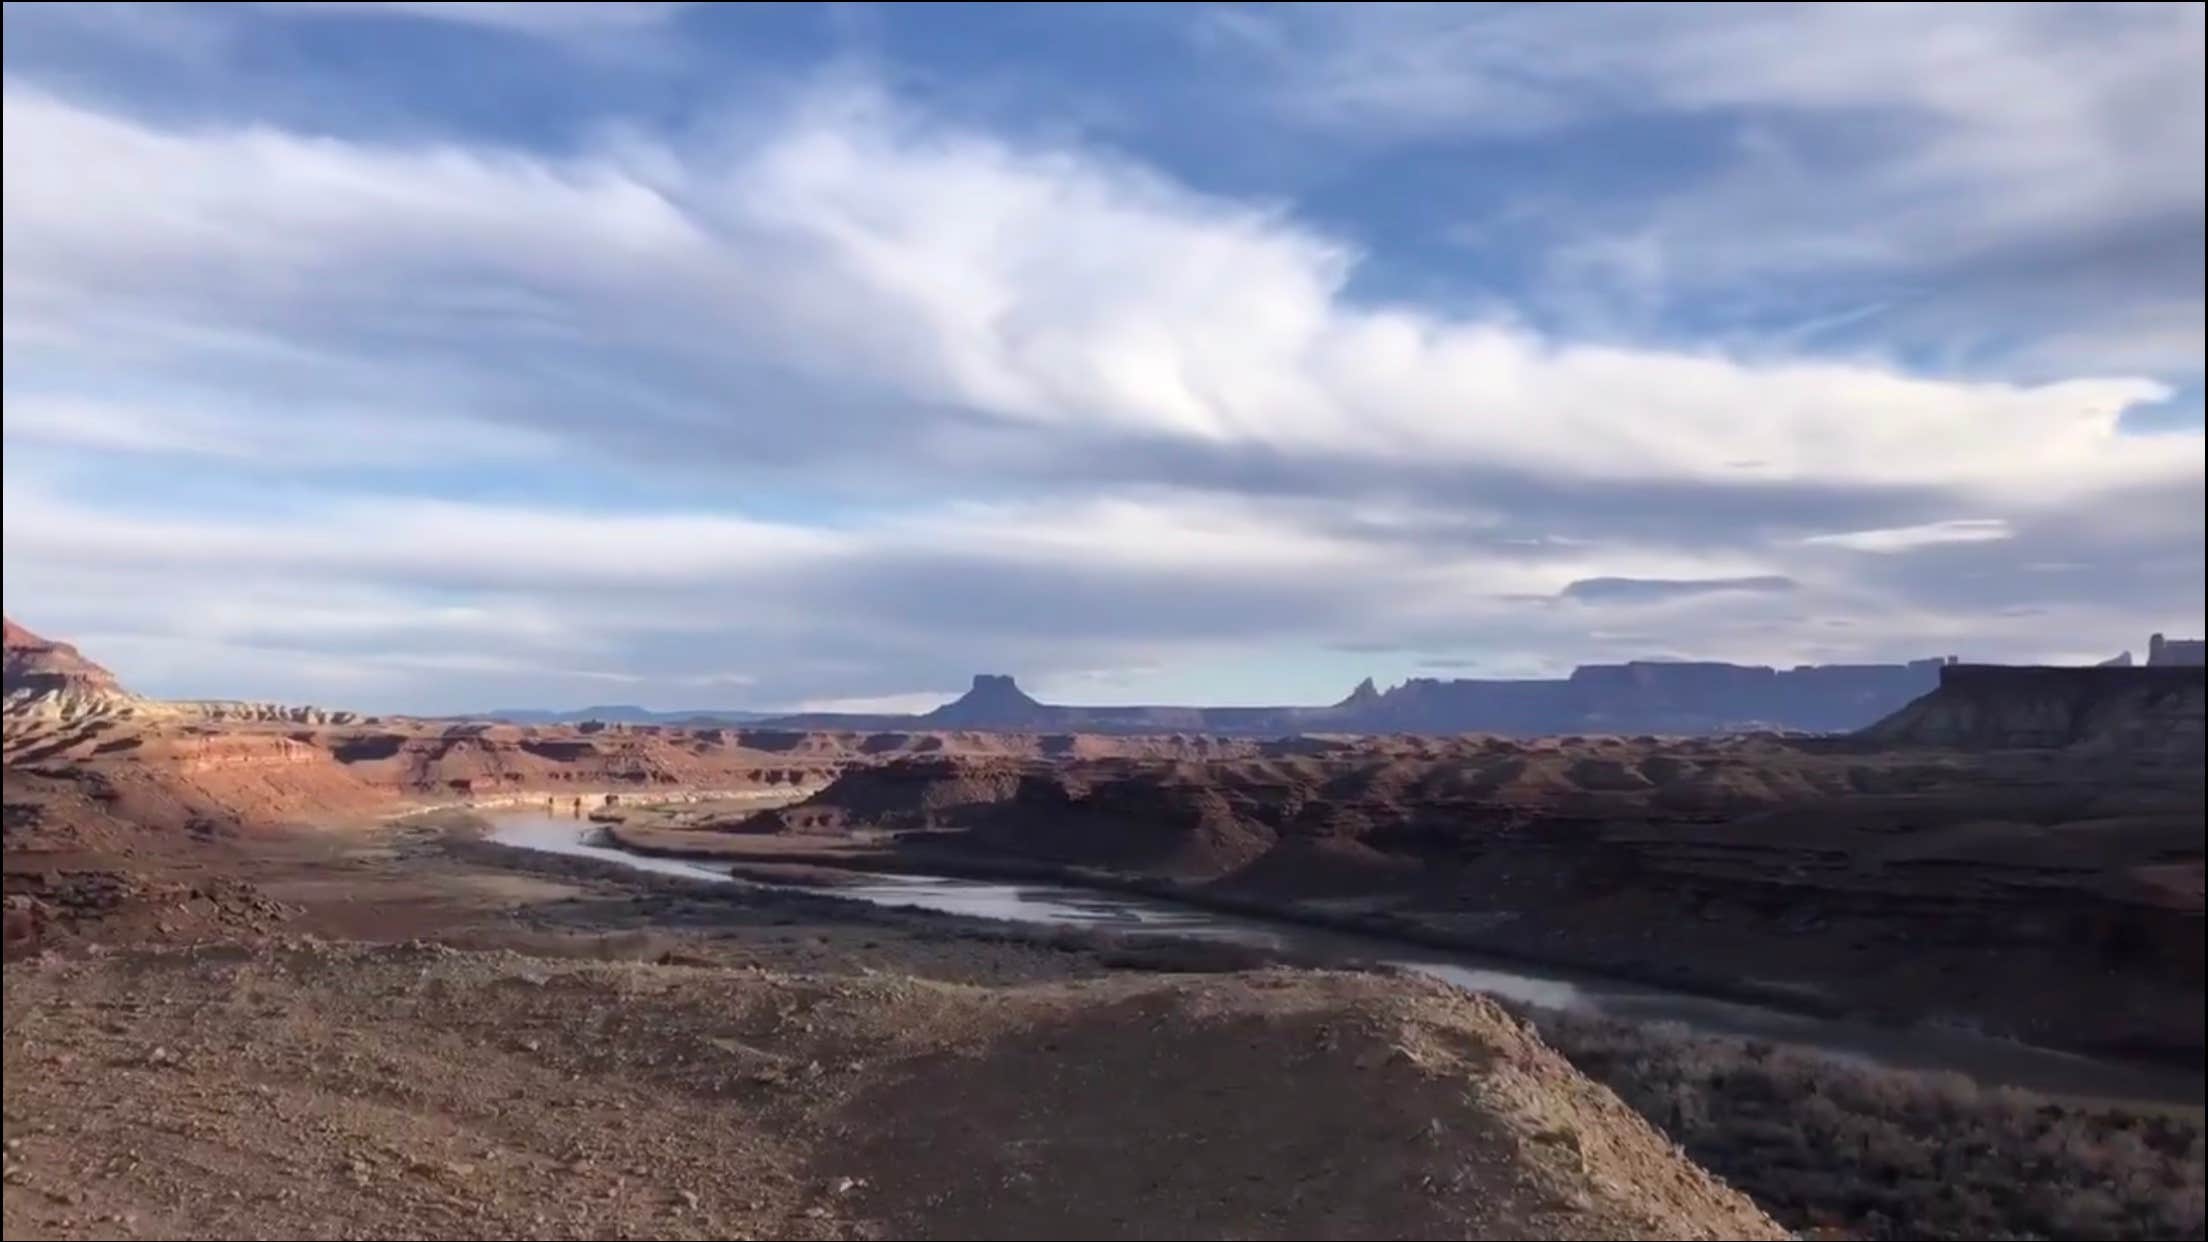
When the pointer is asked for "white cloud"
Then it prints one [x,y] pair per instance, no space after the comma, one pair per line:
[1098,421]
[884,704]
[409,540]
[1041,290]
[927,595]
[486,546]
[1910,538]
[559,18]
[1978,166]
[311,437]
[2031,94]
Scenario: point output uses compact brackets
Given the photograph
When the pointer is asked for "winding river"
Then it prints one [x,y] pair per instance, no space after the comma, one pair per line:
[1988,1060]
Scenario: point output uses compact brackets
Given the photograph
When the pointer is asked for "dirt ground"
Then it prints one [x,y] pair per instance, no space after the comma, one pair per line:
[436,1044]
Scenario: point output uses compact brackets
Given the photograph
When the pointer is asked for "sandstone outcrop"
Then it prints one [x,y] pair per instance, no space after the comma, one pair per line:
[53,678]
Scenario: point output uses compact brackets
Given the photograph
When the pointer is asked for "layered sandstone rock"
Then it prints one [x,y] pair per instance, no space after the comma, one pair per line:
[51,678]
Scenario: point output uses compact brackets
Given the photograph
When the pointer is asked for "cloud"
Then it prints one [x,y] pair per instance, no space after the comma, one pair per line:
[174,426]
[1658,590]
[833,394]
[952,279]
[1910,538]
[341,597]
[2006,183]
[918,599]
[882,704]
[561,19]
[422,541]
[1518,68]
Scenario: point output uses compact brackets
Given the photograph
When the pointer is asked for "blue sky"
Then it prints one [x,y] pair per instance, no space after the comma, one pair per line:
[437,356]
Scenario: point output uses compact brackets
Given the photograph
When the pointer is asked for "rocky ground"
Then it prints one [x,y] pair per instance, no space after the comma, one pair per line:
[562,1052]
[241,1001]
[314,999]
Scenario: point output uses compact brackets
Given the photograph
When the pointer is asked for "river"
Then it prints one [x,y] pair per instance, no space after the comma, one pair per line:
[1988,1060]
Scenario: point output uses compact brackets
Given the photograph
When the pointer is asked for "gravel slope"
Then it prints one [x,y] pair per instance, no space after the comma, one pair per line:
[306,1089]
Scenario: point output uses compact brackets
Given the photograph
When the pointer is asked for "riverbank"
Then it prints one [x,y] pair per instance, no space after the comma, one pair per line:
[1836,1149]
[596,799]
[829,863]
[495,1150]
[1887,905]
[822,863]
[1141,917]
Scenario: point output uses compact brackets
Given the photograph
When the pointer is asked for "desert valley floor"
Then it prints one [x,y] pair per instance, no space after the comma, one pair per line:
[277,974]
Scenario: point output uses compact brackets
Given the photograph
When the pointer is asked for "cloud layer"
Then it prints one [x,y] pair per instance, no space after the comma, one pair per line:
[837,396]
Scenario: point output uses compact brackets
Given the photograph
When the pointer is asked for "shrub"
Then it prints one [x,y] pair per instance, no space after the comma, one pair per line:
[1882,1153]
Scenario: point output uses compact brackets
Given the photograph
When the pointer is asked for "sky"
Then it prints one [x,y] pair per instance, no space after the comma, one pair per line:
[435,357]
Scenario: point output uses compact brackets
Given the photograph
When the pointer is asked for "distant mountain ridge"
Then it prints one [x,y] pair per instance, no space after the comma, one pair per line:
[1995,705]
[1637,697]
[618,713]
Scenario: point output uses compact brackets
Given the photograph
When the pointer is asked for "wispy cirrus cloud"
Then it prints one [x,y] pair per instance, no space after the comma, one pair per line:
[558,18]
[1906,538]
[2019,185]
[1655,590]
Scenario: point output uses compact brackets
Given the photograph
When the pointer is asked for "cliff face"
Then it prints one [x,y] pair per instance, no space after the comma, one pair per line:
[2155,709]
[2179,652]
[46,677]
